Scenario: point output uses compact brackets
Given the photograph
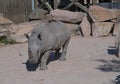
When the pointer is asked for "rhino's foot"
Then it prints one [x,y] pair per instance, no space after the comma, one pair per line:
[117,53]
[43,68]
[62,59]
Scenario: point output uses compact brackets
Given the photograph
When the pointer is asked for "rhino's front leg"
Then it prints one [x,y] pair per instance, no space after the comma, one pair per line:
[44,60]
[57,52]
[64,51]
[63,56]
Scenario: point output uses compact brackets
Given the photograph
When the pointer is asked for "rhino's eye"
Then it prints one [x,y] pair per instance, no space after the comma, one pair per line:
[39,36]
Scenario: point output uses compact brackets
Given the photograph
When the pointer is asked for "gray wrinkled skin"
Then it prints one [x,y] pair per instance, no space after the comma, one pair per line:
[44,39]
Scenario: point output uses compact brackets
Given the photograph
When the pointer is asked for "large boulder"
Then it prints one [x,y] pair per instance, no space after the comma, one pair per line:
[85,26]
[3,30]
[116,26]
[38,14]
[4,21]
[66,16]
[16,32]
[102,28]
[99,13]
[75,29]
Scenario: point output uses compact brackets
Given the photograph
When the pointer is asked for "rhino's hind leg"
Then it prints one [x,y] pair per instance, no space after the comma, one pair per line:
[44,60]
[64,50]
[57,52]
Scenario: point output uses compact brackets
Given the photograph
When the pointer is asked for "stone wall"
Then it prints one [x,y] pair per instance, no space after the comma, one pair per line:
[98,22]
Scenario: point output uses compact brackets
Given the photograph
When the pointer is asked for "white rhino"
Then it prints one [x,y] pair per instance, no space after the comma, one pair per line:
[44,39]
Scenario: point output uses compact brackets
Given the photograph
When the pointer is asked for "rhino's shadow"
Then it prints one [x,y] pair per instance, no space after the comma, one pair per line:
[52,57]
[33,67]
[112,50]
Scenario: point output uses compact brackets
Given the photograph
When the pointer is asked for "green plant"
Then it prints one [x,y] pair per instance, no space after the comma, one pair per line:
[6,41]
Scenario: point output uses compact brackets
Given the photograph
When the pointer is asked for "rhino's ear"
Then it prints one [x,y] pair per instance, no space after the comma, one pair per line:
[39,36]
[26,36]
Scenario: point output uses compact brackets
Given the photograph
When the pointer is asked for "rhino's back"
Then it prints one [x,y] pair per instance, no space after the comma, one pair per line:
[52,27]
[54,34]
[56,27]
[60,32]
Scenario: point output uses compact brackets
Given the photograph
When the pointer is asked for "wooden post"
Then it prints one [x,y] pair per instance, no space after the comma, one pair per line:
[118,1]
[55,2]
[81,6]
[95,2]
[85,1]
[36,3]
[91,1]
[48,6]
[115,0]
[68,6]
[75,2]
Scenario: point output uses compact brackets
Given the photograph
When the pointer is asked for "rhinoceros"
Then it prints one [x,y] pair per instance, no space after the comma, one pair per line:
[45,38]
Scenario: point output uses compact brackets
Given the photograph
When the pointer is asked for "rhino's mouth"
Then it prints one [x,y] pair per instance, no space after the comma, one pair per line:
[32,59]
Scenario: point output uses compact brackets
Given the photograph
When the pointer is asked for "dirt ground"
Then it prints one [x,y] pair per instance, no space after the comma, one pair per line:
[89,61]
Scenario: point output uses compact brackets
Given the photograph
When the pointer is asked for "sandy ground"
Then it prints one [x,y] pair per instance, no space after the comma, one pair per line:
[89,61]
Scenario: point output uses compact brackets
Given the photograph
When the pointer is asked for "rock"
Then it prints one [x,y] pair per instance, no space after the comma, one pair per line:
[94,30]
[99,13]
[116,27]
[16,32]
[38,14]
[3,30]
[85,26]
[102,28]
[75,29]
[66,16]
[1,14]
[4,21]
[115,12]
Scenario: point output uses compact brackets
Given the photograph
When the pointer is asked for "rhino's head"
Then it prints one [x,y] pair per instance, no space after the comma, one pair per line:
[34,49]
